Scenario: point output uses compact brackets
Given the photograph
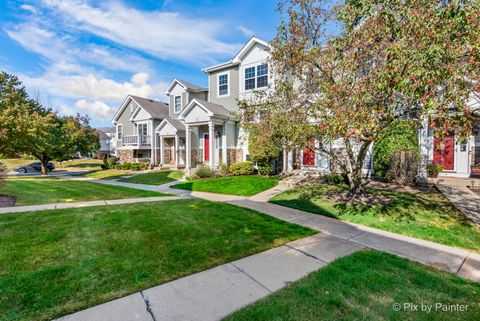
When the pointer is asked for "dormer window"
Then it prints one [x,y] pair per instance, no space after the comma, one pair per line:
[223,85]
[256,77]
[178,104]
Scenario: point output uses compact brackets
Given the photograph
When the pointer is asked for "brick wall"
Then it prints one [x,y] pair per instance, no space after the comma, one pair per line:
[125,155]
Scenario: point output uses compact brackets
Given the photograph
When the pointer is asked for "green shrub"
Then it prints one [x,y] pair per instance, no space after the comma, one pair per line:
[104,167]
[135,167]
[241,168]
[264,168]
[401,135]
[144,166]
[335,179]
[126,166]
[203,171]
[403,169]
[112,161]
[223,169]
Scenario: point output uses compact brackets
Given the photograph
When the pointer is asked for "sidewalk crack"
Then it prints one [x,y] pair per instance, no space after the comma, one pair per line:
[252,278]
[148,306]
[306,254]
[463,262]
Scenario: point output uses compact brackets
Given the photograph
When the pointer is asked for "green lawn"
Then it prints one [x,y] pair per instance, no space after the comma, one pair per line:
[155,178]
[231,185]
[34,191]
[56,262]
[109,174]
[80,164]
[364,287]
[11,163]
[425,215]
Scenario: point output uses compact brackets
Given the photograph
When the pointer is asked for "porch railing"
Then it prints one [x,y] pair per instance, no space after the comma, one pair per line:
[136,140]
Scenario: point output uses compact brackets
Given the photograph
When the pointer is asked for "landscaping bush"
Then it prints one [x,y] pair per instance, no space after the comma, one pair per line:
[241,168]
[401,135]
[335,179]
[203,171]
[112,161]
[403,167]
[126,166]
[223,169]
[135,167]
[264,169]
[104,167]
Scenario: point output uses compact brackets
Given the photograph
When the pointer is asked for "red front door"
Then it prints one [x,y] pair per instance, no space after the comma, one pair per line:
[309,154]
[443,153]
[206,148]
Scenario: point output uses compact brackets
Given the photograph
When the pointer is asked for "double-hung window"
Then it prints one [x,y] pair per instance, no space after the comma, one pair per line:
[250,78]
[143,129]
[119,131]
[262,75]
[223,85]
[256,77]
[178,104]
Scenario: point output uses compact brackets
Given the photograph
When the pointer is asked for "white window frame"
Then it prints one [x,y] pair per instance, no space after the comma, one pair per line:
[119,131]
[254,78]
[138,128]
[243,87]
[228,84]
[175,104]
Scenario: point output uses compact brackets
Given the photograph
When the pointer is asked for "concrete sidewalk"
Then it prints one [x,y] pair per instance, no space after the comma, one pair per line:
[458,193]
[459,261]
[44,207]
[217,292]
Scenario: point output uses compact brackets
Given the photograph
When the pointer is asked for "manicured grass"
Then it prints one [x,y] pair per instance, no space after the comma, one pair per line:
[80,164]
[364,287]
[34,191]
[425,215]
[155,178]
[109,174]
[231,185]
[56,262]
[11,163]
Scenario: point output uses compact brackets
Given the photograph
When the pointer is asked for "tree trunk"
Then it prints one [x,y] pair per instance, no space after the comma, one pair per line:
[355,165]
[44,161]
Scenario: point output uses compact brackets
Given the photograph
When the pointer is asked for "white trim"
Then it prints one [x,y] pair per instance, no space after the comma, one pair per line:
[227,73]
[122,108]
[175,104]
[239,56]
[242,87]
[172,85]
[196,102]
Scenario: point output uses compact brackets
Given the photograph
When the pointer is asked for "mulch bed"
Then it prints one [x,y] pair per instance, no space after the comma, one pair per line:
[7,201]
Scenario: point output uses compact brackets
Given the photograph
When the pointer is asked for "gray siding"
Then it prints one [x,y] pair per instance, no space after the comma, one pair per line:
[229,102]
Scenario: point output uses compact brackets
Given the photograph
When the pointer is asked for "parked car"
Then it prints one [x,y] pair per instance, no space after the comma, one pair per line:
[34,167]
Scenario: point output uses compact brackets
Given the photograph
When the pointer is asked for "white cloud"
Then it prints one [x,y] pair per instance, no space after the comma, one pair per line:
[64,49]
[96,109]
[57,83]
[28,7]
[165,35]
[247,32]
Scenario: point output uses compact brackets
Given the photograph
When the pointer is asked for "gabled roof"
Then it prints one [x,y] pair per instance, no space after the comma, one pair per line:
[211,108]
[102,135]
[239,56]
[178,125]
[186,85]
[107,130]
[156,109]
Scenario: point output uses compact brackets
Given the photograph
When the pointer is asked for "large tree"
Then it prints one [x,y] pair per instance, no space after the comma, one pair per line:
[390,59]
[28,127]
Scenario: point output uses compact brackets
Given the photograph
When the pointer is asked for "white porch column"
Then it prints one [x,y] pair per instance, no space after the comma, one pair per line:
[153,152]
[211,143]
[188,148]
[177,152]
[224,143]
[290,162]
[161,150]
[285,160]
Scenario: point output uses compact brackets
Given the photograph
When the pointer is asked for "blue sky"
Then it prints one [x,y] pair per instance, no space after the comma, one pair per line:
[86,56]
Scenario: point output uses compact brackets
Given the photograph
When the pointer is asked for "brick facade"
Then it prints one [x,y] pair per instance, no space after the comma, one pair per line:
[126,155]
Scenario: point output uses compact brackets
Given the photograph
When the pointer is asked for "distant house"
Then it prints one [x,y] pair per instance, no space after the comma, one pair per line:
[106,136]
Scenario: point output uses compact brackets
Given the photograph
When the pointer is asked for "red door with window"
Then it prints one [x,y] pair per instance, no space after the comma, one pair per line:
[206,148]
[309,154]
[443,152]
